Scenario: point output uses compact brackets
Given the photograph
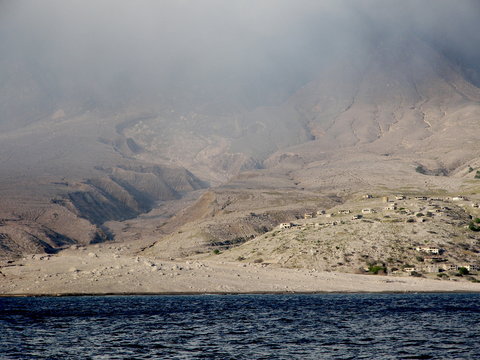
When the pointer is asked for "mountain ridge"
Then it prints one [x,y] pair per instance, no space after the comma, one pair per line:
[357,125]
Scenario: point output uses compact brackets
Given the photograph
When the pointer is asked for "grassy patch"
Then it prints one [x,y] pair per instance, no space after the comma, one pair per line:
[376,269]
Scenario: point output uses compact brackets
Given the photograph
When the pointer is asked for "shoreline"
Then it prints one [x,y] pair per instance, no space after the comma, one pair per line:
[108,273]
[230,293]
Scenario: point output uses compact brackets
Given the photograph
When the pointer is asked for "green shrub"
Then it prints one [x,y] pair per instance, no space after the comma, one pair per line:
[473,227]
[420,169]
[477,175]
[375,269]
[216,251]
[463,271]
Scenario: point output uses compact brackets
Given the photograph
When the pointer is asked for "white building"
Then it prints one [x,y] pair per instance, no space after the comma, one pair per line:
[428,249]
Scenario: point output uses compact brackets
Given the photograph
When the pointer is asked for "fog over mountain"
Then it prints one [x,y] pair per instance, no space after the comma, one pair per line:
[106,55]
[111,109]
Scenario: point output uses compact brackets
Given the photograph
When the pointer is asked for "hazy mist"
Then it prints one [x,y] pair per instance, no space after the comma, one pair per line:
[114,108]
[111,53]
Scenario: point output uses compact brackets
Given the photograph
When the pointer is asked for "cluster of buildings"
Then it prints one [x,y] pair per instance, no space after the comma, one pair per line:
[435,268]
[431,209]
[433,261]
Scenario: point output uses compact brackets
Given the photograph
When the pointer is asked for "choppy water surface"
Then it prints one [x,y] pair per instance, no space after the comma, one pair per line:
[329,326]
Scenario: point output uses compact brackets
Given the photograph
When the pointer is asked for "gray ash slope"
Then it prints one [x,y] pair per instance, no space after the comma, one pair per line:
[86,142]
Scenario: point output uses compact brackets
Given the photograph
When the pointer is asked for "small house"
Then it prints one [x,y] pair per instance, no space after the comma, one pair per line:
[428,249]
[285,225]
[459,198]
[421,198]
[471,267]
[433,259]
[432,268]
[344,212]
[449,267]
[400,197]
[368,211]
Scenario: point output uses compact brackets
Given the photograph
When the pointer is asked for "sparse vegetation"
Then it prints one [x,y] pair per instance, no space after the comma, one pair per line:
[376,269]
[377,247]
[473,227]
[477,174]
[421,170]
[463,271]
[216,251]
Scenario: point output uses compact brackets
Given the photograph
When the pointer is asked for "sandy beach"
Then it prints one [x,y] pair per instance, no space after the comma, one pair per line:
[112,269]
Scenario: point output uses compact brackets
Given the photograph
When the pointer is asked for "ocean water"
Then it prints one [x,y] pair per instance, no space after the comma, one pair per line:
[323,326]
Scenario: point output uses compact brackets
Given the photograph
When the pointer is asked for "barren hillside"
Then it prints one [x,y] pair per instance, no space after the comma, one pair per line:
[129,156]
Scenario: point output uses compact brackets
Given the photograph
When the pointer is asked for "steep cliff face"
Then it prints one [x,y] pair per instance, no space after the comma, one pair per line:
[60,214]
[126,192]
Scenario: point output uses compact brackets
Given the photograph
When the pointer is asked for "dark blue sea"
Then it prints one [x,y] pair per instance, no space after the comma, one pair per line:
[324,326]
